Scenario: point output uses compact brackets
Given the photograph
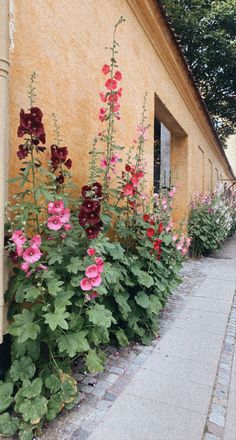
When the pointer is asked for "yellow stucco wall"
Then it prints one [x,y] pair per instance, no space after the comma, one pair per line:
[64,41]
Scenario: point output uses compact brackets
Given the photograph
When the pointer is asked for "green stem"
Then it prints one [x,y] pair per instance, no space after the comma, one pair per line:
[34,184]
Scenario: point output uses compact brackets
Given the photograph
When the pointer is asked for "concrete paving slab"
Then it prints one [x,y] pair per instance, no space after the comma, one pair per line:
[198,320]
[134,418]
[177,391]
[219,289]
[174,366]
[207,305]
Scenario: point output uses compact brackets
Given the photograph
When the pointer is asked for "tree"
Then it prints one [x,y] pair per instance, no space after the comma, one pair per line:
[206,30]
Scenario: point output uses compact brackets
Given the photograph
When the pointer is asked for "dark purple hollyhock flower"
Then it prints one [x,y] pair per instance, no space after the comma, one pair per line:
[68,163]
[22,153]
[89,205]
[83,218]
[93,230]
[36,114]
[60,179]
[13,256]
[97,188]
[93,217]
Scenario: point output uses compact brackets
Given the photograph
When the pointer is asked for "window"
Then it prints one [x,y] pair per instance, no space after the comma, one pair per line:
[162,138]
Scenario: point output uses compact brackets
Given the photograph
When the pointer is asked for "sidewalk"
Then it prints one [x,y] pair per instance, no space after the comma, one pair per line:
[183,390]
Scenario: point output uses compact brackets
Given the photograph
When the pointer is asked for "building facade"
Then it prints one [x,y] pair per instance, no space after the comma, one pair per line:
[64,43]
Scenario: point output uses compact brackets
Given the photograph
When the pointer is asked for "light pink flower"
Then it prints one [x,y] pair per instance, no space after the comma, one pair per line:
[102,113]
[90,296]
[184,251]
[86,284]
[114,159]
[18,237]
[116,107]
[188,241]
[43,267]
[172,191]
[55,207]
[175,237]
[119,92]
[54,223]
[67,227]
[103,96]
[91,251]
[65,215]
[36,239]
[91,271]
[25,267]
[96,281]
[100,264]
[32,254]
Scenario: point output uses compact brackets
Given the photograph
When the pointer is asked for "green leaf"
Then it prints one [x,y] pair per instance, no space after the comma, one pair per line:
[54,286]
[63,299]
[33,409]
[167,239]
[122,338]
[55,406]
[8,425]
[53,383]
[6,399]
[101,316]
[143,277]
[94,362]
[57,319]
[32,389]
[29,347]
[26,431]
[23,326]
[155,304]
[75,265]
[31,293]
[142,299]
[22,369]
[121,299]
[73,343]
[69,390]
[55,257]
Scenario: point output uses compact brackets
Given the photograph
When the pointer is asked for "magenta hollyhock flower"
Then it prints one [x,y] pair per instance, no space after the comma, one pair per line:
[42,267]
[103,96]
[111,84]
[56,207]
[86,284]
[54,222]
[32,254]
[106,69]
[128,189]
[25,267]
[96,281]
[136,178]
[118,75]
[115,107]
[91,271]
[19,250]
[119,92]
[67,227]
[18,237]
[36,239]
[65,215]
[91,251]
[103,163]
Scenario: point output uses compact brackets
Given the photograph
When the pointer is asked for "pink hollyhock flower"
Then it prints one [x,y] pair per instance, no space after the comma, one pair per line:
[111,84]
[113,98]
[179,246]
[116,107]
[103,96]
[117,116]
[106,69]
[67,227]
[136,178]
[65,215]
[90,296]
[100,264]
[32,254]
[172,191]
[96,281]
[102,113]
[25,267]
[36,239]
[91,271]
[103,163]
[55,207]
[86,284]
[42,267]
[28,274]
[118,75]
[175,237]
[184,251]
[128,189]
[114,159]
[188,241]
[119,92]
[54,223]
[63,236]
[150,232]
[164,201]
[18,237]
[103,110]
[91,252]
[19,250]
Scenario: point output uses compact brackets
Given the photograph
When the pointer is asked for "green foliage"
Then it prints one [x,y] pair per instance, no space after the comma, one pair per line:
[207,37]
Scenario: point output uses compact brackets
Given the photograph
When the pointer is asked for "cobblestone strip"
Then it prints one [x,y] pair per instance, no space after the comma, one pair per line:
[215,424]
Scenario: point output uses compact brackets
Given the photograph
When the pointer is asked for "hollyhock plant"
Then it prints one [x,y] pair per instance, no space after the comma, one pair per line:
[91,271]
[91,251]
[56,207]
[86,284]
[54,223]
[106,69]
[18,237]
